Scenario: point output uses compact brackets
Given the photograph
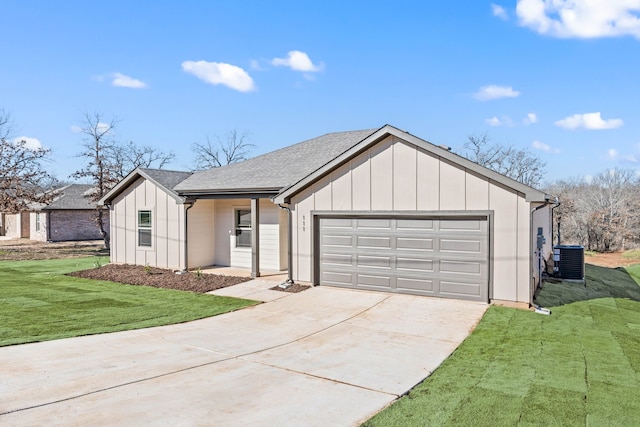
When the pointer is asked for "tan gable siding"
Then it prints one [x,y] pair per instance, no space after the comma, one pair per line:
[395,175]
[504,205]
[360,172]
[201,234]
[168,227]
[404,177]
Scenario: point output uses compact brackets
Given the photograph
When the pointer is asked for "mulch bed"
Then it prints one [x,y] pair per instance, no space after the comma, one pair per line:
[295,288]
[160,278]
[168,279]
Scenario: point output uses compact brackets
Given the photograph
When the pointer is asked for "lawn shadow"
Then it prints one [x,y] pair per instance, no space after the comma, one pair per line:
[601,282]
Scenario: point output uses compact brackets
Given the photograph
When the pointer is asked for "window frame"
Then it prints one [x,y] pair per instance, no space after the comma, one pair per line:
[145,228]
[38,219]
[242,227]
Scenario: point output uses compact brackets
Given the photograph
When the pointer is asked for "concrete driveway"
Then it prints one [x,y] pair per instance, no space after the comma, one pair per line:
[322,357]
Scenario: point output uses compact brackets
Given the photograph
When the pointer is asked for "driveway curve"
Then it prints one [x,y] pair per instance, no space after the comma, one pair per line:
[325,356]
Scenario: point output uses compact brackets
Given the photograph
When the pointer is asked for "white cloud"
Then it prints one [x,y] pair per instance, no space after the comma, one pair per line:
[120,80]
[502,121]
[486,93]
[30,143]
[539,145]
[530,119]
[499,11]
[219,73]
[297,61]
[613,154]
[581,18]
[590,121]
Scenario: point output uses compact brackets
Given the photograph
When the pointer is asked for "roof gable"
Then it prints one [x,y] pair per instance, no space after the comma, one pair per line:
[163,179]
[530,193]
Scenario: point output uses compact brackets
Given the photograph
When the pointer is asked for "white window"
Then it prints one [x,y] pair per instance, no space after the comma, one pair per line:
[243,228]
[144,228]
[37,221]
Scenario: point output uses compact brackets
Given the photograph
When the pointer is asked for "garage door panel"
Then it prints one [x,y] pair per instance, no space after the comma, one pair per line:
[467,225]
[374,242]
[459,289]
[426,256]
[461,267]
[367,261]
[338,259]
[409,284]
[333,240]
[415,224]
[414,264]
[338,279]
[378,281]
[461,245]
[424,244]
[376,223]
[328,223]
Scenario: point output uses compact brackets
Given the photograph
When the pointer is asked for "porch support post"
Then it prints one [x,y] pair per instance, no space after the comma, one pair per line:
[255,237]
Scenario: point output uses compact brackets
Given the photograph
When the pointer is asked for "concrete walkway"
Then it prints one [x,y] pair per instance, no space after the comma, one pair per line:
[322,357]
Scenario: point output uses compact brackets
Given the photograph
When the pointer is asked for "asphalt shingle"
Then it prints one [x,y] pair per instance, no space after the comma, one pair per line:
[73,196]
[277,169]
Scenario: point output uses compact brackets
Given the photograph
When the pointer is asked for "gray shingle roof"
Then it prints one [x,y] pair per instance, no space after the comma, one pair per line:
[274,170]
[168,179]
[73,196]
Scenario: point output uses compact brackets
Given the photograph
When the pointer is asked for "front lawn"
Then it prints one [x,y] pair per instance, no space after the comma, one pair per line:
[38,302]
[580,366]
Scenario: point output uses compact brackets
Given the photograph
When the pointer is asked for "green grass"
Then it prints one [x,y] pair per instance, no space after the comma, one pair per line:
[580,366]
[633,254]
[38,302]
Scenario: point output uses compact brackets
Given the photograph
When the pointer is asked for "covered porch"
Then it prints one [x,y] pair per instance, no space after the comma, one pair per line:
[247,237]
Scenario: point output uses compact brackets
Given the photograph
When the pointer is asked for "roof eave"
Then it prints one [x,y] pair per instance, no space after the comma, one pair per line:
[234,193]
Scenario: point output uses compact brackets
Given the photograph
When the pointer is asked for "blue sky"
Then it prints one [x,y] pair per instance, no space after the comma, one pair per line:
[559,78]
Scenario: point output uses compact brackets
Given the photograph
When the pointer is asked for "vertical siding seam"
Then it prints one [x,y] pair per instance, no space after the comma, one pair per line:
[393,173]
[416,177]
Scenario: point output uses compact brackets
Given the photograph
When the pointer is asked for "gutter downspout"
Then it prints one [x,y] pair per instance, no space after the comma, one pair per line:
[186,233]
[546,203]
[47,233]
[556,205]
[289,282]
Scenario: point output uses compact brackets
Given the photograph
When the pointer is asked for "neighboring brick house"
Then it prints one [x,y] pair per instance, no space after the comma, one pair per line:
[70,216]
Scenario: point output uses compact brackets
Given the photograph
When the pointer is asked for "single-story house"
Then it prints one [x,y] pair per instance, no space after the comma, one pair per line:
[373,209]
[69,216]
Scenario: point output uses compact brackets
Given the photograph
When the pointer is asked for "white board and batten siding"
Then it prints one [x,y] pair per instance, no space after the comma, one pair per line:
[167,227]
[398,177]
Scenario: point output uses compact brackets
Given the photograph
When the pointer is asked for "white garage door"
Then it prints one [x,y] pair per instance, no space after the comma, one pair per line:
[445,257]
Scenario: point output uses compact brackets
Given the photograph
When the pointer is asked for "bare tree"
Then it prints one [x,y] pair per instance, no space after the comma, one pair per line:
[23,181]
[601,214]
[235,147]
[518,164]
[97,145]
[127,157]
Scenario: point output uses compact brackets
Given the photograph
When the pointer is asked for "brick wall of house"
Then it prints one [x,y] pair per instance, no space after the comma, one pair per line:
[75,225]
